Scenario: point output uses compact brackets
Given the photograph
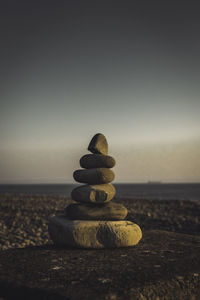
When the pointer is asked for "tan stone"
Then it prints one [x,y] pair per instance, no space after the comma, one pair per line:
[99,193]
[98,144]
[93,234]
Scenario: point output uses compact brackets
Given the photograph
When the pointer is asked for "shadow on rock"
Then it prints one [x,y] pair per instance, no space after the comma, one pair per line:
[11,291]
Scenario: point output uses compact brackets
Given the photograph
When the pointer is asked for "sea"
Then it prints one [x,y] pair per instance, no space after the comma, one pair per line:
[152,191]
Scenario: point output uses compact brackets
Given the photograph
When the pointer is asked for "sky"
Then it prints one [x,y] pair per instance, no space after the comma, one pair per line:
[127,69]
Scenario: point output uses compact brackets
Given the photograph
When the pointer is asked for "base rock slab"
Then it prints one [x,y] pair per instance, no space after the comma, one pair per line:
[93,234]
[164,265]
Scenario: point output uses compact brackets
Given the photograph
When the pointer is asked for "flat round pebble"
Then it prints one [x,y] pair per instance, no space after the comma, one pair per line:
[90,161]
[108,211]
[94,176]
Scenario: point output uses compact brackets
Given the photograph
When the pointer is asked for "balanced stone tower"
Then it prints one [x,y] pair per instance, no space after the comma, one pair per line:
[93,221]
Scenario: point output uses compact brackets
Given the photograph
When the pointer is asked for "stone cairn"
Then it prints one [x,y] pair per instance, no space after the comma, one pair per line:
[93,221]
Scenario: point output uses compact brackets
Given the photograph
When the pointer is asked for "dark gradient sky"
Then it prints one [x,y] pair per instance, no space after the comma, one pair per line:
[128,69]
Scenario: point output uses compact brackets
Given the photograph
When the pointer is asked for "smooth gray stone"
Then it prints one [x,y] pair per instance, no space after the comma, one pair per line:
[108,211]
[98,193]
[94,176]
[93,234]
[90,161]
[98,144]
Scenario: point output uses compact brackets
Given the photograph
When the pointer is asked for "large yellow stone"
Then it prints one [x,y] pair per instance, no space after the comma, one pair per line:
[93,234]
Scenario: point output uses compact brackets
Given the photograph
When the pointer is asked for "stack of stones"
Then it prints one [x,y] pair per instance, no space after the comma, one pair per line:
[93,221]
[94,197]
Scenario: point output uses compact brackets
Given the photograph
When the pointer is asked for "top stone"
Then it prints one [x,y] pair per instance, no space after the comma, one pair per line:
[98,144]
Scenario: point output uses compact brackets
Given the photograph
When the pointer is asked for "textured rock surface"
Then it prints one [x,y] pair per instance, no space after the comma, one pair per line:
[98,144]
[94,176]
[164,265]
[108,211]
[93,193]
[89,161]
[93,234]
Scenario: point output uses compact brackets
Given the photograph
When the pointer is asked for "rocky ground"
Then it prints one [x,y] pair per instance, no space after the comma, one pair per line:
[24,219]
[164,265]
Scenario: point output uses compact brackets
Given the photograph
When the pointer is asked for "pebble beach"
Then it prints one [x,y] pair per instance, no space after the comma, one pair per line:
[24,218]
